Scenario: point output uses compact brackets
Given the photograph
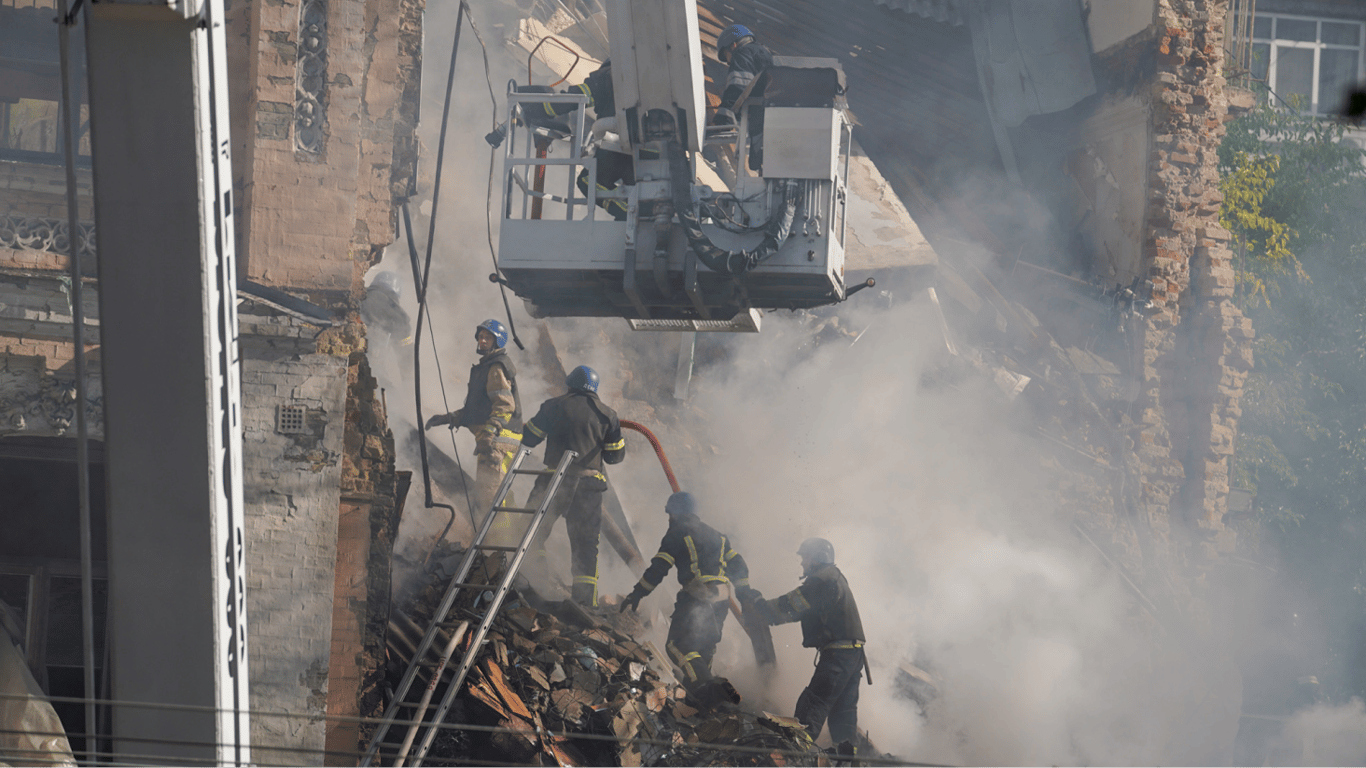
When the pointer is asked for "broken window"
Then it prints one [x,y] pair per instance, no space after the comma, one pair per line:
[1308,63]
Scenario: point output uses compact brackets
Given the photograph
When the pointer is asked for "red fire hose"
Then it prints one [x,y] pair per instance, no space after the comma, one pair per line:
[758,631]
[659,451]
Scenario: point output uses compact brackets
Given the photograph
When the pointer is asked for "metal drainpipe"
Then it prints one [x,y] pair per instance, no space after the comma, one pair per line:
[71,124]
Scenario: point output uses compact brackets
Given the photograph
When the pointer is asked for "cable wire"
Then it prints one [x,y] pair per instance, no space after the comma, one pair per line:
[420,287]
[488,195]
[70,112]
[352,719]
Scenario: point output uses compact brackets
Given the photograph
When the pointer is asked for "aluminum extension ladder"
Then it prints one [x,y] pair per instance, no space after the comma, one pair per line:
[414,717]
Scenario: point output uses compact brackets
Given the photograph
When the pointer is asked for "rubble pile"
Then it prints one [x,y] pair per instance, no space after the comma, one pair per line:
[557,685]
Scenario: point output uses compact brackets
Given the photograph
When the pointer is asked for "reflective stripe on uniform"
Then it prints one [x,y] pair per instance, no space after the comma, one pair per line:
[607,204]
[618,445]
[692,557]
[696,570]
[535,430]
[842,644]
[740,78]
[684,660]
[665,556]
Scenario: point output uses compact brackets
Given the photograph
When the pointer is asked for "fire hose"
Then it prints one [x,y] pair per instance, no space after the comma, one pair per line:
[659,451]
[758,632]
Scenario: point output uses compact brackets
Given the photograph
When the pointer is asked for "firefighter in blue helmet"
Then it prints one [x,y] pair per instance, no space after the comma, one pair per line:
[708,568]
[614,168]
[830,623]
[492,410]
[747,60]
[579,421]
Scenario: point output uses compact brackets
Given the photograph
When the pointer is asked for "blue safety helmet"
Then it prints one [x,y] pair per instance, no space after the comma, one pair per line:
[582,378]
[728,38]
[500,333]
[681,503]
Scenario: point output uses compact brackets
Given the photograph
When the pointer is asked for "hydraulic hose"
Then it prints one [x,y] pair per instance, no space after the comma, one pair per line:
[659,451]
[719,259]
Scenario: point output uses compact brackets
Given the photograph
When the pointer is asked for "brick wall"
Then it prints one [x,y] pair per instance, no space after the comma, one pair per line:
[315,219]
[1196,350]
[292,484]
[348,628]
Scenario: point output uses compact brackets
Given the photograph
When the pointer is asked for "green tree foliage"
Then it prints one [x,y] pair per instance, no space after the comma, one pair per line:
[1295,200]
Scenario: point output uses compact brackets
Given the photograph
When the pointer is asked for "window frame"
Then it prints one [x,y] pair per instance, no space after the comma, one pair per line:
[1317,46]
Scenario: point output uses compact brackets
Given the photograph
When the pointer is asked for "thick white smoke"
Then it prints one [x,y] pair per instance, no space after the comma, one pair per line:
[936,498]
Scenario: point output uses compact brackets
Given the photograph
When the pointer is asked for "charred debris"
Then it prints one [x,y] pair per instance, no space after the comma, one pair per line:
[556,684]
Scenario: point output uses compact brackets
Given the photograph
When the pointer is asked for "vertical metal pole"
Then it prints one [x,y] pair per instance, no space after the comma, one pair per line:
[687,343]
[71,121]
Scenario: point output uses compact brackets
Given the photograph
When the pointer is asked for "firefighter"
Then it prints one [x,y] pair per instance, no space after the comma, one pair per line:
[614,168]
[579,421]
[747,60]
[830,624]
[492,411]
[708,567]
[381,309]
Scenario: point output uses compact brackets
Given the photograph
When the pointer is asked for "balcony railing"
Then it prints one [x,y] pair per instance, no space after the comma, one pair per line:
[1238,42]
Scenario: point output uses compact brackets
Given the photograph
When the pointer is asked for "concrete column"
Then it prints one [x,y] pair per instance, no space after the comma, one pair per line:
[168,319]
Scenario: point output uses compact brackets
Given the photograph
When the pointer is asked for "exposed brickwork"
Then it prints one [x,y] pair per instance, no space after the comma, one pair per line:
[1196,348]
[293,492]
[317,222]
[348,626]
[40,190]
[369,520]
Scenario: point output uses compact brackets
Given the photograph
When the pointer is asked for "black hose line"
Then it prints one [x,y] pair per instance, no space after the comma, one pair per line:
[718,259]
[421,286]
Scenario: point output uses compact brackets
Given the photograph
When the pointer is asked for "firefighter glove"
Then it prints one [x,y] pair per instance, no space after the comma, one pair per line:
[748,595]
[441,419]
[632,601]
[723,116]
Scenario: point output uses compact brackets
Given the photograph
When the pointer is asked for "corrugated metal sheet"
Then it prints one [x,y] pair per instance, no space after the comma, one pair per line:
[913,89]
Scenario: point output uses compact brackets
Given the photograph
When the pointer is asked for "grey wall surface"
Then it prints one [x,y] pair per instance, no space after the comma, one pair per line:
[292,490]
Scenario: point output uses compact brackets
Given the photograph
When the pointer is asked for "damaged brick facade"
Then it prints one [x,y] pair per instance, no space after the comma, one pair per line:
[323,114]
[1196,345]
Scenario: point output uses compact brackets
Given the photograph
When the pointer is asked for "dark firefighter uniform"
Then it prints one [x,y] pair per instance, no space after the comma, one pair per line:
[708,566]
[614,168]
[580,422]
[747,63]
[830,624]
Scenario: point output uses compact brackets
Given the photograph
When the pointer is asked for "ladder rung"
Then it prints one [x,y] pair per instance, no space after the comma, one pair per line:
[523,510]
[495,548]
[546,471]
[480,587]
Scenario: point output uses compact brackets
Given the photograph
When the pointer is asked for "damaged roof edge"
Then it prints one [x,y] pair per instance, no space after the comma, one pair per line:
[283,302]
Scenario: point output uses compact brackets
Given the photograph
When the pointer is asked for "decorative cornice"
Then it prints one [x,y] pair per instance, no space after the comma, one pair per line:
[310,92]
[32,233]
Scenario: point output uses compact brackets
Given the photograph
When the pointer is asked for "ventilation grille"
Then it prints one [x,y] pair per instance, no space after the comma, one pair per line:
[289,419]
